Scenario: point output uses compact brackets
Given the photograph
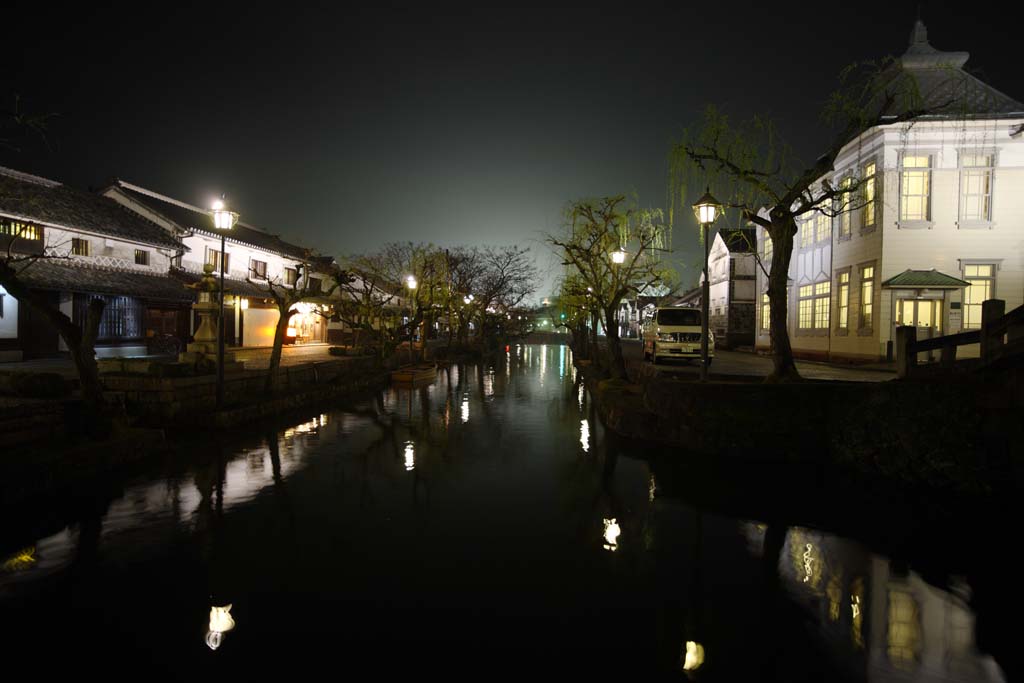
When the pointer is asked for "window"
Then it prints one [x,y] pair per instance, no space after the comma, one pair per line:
[25,231]
[291,276]
[904,633]
[123,316]
[915,188]
[982,277]
[823,228]
[806,309]
[258,269]
[213,258]
[766,312]
[845,222]
[314,285]
[844,301]
[869,212]
[767,247]
[976,188]
[141,257]
[807,232]
[867,296]
[79,247]
[822,304]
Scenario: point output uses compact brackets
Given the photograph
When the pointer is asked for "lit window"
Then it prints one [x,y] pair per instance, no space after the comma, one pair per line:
[213,258]
[806,318]
[258,269]
[141,257]
[976,188]
[844,301]
[822,304]
[79,247]
[766,312]
[807,232]
[845,224]
[867,296]
[25,231]
[915,188]
[904,637]
[767,247]
[870,187]
[824,228]
[983,284]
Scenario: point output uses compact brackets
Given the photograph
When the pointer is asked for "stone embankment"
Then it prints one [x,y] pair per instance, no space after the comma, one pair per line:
[961,435]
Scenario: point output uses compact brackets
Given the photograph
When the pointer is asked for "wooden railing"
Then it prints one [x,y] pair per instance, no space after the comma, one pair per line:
[1001,334]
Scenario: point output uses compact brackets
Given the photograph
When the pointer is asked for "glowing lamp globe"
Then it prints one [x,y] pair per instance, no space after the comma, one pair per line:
[222,218]
[707,209]
[619,256]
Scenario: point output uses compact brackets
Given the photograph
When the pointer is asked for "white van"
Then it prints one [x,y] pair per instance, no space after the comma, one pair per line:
[675,333]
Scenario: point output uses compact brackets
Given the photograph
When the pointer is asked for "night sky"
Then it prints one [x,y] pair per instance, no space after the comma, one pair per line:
[347,127]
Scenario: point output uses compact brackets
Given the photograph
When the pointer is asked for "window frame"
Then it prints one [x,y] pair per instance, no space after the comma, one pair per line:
[974,223]
[215,261]
[142,254]
[81,246]
[291,276]
[841,328]
[993,279]
[255,272]
[916,223]
[766,312]
[844,230]
[868,329]
[870,207]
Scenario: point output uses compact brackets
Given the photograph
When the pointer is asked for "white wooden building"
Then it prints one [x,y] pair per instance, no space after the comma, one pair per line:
[941,228]
[731,287]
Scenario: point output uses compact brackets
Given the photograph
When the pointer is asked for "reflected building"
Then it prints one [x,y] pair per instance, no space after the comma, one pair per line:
[890,624]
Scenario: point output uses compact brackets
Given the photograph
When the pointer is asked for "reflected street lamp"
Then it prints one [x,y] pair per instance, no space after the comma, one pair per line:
[707,210]
[223,220]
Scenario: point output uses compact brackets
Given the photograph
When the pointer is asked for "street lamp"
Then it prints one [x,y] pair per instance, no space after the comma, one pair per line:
[707,210]
[619,256]
[223,220]
[410,282]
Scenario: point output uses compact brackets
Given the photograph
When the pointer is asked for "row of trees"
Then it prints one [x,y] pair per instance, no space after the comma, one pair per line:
[384,296]
[611,249]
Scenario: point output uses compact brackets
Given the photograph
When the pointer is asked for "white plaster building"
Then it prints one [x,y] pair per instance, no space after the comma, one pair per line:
[253,257]
[102,251]
[941,228]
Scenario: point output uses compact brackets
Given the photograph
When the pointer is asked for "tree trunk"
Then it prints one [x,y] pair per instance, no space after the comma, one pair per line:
[81,343]
[595,354]
[611,333]
[275,354]
[784,369]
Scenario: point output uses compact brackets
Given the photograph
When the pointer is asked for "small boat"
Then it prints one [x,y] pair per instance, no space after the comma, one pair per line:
[418,372]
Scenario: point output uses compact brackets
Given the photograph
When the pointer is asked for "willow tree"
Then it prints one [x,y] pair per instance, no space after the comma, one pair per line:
[613,249]
[751,168]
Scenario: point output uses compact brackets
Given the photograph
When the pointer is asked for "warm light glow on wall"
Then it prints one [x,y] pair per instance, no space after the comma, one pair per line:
[292,332]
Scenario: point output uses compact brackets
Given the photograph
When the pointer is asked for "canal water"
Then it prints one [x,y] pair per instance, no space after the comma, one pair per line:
[481,526]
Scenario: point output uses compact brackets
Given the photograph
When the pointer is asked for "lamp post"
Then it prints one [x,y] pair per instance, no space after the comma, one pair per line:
[410,282]
[707,210]
[223,220]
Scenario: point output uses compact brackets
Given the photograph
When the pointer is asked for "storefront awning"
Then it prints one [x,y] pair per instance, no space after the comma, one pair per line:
[60,275]
[924,279]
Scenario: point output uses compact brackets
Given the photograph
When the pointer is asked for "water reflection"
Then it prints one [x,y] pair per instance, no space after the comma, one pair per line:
[403,511]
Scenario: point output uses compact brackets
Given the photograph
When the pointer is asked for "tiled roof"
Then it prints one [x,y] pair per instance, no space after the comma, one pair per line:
[924,279]
[49,202]
[63,276]
[231,285]
[940,84]
[189,217]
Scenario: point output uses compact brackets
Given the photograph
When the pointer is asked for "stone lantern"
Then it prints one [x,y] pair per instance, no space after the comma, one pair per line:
[203,350]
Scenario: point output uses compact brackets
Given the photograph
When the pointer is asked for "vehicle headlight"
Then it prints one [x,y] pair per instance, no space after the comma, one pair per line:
[666,337]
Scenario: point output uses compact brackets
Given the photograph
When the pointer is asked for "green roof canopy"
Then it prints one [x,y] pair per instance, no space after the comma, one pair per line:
[924,279]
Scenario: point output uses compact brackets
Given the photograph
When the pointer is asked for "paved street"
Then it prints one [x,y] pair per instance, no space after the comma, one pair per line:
[750,364]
